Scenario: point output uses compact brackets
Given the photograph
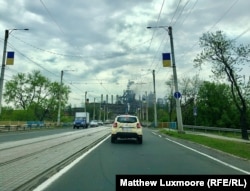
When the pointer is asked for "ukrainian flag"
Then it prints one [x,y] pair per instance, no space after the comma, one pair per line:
[166,59]
[10,58]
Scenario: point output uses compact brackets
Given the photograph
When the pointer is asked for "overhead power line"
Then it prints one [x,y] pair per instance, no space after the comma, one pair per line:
[175,12]
[52,18]
[159,15]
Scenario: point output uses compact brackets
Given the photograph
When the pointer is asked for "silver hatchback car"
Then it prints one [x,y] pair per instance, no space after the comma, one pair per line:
[126,126]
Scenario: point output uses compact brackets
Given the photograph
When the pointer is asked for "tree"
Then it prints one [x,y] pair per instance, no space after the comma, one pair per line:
[188,87]
[35,92]
[215,105]
[227,60]
[170,97]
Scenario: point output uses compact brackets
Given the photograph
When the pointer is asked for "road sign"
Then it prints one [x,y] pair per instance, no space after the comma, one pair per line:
[195,111]
[177,95]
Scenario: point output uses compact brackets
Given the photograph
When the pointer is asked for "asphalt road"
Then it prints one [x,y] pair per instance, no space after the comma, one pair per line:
[159,155]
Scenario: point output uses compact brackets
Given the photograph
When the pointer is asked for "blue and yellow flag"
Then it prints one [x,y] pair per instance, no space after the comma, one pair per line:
[166,59]
[10,58]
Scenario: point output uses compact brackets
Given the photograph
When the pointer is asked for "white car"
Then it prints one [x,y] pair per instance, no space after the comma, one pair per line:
[93,123]
[126,126]
[100,122]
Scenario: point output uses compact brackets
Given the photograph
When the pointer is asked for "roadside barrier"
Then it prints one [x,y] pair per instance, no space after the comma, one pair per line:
[32,125]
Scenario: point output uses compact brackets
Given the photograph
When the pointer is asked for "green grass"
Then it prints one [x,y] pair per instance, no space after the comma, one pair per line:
[239,149]
[226,134]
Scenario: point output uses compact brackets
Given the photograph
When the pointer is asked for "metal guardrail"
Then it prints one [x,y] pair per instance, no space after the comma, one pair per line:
[219,129]
[30,126]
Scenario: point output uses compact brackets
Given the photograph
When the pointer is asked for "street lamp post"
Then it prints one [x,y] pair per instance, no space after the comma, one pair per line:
[155,109]
[94,110]
[178,105]
[7,32]
[85,105]
[60,99]
[146,108]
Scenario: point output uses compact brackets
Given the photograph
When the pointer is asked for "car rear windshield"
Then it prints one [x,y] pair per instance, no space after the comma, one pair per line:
[126,119]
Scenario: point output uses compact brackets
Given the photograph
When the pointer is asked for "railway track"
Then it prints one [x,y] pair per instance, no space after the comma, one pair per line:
[26,164]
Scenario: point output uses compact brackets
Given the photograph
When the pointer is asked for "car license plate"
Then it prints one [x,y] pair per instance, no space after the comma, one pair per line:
[126,129]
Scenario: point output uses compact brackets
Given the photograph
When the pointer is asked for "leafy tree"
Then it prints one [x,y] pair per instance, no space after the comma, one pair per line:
[189,87]
[36,93]
[170,98]
[227,60]
[162,115]
[215,105]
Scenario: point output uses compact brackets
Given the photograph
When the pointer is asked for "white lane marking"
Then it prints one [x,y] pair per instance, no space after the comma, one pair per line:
[215,159]
[65,169]
[154,133]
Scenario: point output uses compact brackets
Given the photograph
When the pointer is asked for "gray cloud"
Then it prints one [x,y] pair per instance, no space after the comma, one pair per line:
[107,44]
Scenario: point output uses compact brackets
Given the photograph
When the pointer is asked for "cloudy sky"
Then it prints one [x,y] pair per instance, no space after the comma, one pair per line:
[104,46]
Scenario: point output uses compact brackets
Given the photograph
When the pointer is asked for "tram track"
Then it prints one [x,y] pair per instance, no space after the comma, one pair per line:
[31,163]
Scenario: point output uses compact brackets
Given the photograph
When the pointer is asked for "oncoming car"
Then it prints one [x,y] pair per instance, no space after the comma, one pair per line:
[126,126]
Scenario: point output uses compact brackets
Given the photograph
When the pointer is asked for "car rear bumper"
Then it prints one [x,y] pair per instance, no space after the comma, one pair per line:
[127,135]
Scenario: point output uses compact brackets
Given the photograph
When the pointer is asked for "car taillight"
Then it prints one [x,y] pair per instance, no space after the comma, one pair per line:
[115,125]
[138,125]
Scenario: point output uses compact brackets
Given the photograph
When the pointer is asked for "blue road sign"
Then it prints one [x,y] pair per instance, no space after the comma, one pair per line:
[195,111]
[177,95]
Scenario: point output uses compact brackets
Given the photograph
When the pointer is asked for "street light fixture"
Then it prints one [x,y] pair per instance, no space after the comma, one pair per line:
[178,106]
[7,33]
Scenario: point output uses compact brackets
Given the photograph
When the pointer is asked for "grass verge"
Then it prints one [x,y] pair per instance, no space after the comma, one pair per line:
[240,149]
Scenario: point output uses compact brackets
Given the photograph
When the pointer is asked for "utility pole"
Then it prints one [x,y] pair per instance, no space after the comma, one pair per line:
[107,112]
[3,67]
[178,105]
[60,98]
[147,108]
[94,110]
[103,112]
[155,111]
[102,108]
[60,101]
[85,105]
[6,36]
[100,113]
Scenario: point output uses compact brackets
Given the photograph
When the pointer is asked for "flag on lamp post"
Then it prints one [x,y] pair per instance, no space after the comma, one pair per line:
[10,58]
[166,60]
